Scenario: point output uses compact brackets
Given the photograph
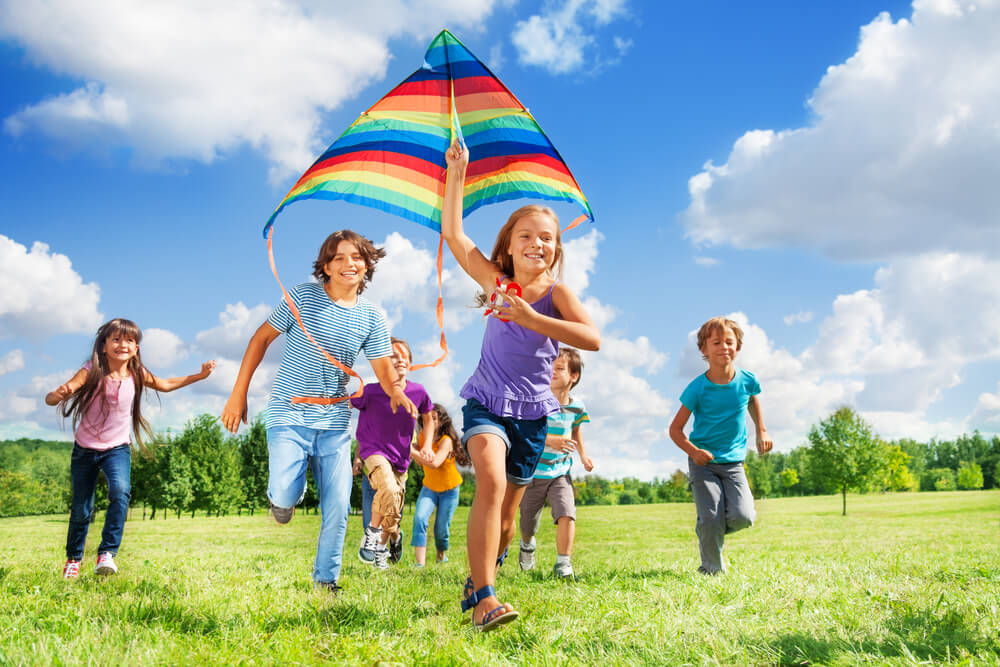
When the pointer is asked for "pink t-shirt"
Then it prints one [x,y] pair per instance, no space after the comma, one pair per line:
[108,423]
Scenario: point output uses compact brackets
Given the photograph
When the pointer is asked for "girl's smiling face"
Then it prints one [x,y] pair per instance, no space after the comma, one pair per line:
[533,243]
[120,347]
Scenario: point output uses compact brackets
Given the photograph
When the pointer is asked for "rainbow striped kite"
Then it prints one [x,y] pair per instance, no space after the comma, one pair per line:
[392,157]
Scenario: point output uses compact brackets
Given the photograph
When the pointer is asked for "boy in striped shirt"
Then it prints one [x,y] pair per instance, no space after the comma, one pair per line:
[552,479]
[307,417]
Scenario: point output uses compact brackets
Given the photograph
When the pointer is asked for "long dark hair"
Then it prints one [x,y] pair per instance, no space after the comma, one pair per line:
[445,427]
[77,405]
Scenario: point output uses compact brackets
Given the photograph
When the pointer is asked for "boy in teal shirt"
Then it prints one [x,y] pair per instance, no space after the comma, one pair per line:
[717,444]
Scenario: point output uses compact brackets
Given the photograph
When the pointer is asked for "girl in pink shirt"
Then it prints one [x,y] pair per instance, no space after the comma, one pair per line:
[104,399]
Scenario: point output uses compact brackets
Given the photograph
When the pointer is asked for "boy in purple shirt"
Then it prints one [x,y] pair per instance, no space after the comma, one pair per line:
[384,441]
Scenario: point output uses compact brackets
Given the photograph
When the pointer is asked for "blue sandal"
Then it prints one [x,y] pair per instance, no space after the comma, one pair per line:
[495,617]
[469,587]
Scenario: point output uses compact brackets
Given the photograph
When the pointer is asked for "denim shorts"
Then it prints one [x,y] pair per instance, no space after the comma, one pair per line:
[524,438]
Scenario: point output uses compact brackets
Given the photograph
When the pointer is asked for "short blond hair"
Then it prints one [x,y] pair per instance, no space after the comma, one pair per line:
[719,324]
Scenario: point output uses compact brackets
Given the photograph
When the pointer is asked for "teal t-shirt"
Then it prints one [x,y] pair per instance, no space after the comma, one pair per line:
[719,410]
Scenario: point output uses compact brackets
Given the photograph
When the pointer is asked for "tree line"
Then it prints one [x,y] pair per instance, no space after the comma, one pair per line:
[203,469]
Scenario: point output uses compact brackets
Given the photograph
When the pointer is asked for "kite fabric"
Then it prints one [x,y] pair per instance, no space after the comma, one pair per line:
[392,157]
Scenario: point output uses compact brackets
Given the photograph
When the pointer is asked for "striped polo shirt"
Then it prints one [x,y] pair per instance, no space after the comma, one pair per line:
[556,463]
[304,371]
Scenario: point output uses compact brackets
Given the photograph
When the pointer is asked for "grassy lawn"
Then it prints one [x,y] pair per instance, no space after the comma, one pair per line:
[903,579]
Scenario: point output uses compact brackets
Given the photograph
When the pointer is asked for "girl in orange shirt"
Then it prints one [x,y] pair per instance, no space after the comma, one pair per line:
[440,490]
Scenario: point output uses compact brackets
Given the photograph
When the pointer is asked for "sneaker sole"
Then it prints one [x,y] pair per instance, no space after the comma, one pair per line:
[105,571]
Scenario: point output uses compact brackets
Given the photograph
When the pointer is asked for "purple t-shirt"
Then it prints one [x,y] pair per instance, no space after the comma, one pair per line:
[514,375]
[380,431]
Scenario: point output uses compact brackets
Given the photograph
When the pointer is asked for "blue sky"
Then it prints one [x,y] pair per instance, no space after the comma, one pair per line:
[825,173]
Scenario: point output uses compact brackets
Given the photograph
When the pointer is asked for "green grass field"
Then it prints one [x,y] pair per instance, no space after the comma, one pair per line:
[903,579]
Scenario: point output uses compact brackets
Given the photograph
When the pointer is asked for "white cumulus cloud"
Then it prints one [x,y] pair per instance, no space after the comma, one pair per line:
[42,295]
[562,38]
[897,160]
[183,80]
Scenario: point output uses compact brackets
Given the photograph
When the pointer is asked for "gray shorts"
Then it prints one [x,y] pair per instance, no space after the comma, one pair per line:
[559,492]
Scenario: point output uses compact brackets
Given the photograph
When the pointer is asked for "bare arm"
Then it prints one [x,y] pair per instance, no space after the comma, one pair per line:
[468,256]
[64,391]
[235,410]
[588,464]
[388,379]
[699,456]
[169,384]
[441,455]
[764,442]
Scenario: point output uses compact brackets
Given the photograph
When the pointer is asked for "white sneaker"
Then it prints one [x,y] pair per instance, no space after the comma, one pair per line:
[381,557]
[563,569]
[526,556]
[105,564]
[369,545]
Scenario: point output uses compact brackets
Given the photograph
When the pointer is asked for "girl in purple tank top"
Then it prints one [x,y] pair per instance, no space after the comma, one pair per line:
[509,396]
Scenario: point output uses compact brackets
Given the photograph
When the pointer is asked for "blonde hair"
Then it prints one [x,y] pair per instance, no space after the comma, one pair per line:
[719,325]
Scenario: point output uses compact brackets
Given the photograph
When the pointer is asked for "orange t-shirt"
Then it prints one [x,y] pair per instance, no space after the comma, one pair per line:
[446,476]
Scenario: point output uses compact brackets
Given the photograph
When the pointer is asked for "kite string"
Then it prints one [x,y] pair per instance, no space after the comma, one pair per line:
[312,400]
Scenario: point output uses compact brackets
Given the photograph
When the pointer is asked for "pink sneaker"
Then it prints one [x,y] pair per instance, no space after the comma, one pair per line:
[105,564]
[71,570]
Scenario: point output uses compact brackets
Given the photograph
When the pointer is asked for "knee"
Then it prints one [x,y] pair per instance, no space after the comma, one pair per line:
[119,491]
[740,520]
[79,515]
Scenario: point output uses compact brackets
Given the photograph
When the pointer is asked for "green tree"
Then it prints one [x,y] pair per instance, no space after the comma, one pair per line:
[253,465]
[760,474]
[938,479]
[970,475]
[178,492]
[897,476]
[789,478]
[215,466]
[844,453]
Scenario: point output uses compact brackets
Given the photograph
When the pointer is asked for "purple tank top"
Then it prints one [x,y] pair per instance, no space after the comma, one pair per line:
[514,375]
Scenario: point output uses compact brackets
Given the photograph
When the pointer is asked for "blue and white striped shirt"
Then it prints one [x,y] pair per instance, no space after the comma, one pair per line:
[304,371]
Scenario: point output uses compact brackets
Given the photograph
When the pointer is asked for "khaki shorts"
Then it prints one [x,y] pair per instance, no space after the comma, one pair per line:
[390,490]
[559,492]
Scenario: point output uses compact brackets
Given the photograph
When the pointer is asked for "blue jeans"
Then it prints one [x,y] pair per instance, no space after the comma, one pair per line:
[367,496]
[83,468]
[446,502]
[290,449]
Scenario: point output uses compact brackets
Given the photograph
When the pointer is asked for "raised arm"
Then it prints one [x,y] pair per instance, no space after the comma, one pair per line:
[67,389]
[699,456]
[389,381]
[468,256]
[235,410]
[169,384]
[764,442]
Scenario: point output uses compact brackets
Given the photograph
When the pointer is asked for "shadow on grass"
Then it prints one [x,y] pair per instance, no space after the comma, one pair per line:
[914,634]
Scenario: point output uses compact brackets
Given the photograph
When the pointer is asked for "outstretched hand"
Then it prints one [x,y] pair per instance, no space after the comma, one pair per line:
[457,155]
[207,368]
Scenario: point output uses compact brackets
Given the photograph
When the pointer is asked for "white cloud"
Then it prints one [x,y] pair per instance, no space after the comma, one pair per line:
[898,159]
[986,416]
[183,80]
[580,257]
[800,317]
[161,349]
[12,361]
[561,37]
[42,295]
[705,261]
[237,324]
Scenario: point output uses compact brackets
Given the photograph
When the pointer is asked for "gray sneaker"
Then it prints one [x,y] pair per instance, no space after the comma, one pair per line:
[526,556]
[563,570]
[381,557]
[282,514]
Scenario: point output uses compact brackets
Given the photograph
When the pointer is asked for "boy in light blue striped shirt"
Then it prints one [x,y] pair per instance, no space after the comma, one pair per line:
[307,416]
[552,480]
